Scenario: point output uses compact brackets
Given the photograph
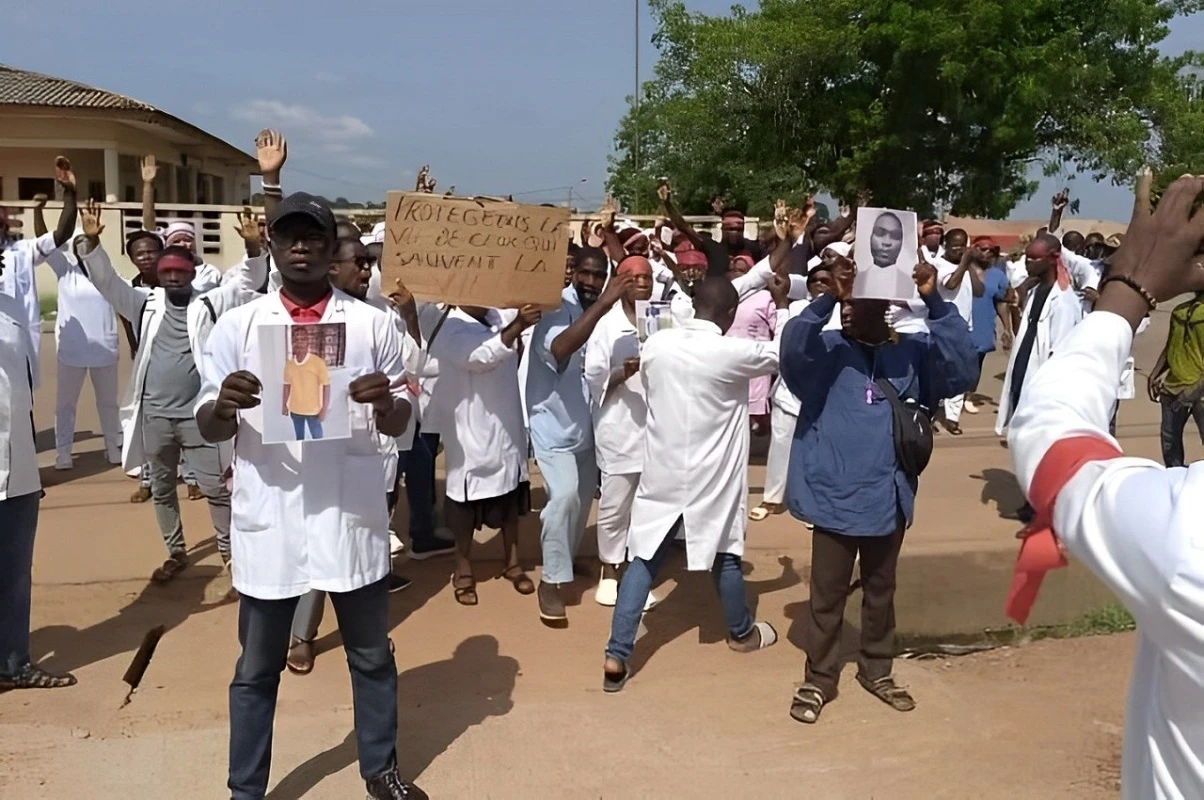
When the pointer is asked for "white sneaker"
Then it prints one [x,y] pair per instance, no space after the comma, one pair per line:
[608,592]
[395,543]
[63,464]
[113,458]
[970,407]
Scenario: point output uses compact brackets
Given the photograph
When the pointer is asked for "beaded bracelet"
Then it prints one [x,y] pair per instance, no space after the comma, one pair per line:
[1134,285]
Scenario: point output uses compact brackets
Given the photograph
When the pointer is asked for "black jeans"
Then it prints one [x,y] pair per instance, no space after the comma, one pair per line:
[263,631]
[1174,420]
[832,557]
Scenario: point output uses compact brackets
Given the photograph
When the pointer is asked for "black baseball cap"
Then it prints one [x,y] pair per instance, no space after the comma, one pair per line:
[307,205]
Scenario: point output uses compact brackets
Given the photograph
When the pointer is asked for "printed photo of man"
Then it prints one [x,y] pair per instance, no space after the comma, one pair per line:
[306,386]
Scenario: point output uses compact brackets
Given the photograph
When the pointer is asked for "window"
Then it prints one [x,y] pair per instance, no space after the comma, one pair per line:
[28,187]
[96,191]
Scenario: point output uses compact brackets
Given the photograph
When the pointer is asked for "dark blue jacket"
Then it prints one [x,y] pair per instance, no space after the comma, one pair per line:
[843,474]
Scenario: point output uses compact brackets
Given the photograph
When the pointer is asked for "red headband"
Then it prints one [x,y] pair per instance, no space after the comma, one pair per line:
[691,258]
[171,261]
[985,243]
[634,265]
[929,230]
[747,259]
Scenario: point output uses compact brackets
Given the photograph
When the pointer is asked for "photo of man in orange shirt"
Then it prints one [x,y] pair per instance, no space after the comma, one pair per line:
[306,387]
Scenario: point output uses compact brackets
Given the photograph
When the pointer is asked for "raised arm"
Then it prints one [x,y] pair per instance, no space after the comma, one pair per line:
[1102,506]
[459,346]
[1058,205]
[39,216]
[561,343]
[803,345]
[150,169]
[125,299]
[271,149]
[675,217]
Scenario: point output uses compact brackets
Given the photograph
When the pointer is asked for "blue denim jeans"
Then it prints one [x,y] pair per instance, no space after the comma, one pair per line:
[18,524]
[263,632]
[418,466]
[637,583]
[300,423]
[570,480]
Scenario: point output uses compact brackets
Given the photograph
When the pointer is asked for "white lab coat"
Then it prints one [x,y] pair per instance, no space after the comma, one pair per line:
[485,443]
[306,515]
[208,277]
[18,281]
[18,453]
[1136,526]
[1061,313]
[411,357]
[85,330]
[144,309]
[620,413]
[696,443]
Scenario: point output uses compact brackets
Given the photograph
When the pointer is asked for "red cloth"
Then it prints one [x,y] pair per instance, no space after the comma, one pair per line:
[691,258]
[1039,552]
[172,262]
[634,265]
[304,314]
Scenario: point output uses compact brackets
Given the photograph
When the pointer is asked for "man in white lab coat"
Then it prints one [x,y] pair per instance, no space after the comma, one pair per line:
[20,496]
[85,334]
[612,368]
[958,283]
[1132,522]
[173,322]
[695,466]
[480,416]
[560,421]
[21,256]
[309,515]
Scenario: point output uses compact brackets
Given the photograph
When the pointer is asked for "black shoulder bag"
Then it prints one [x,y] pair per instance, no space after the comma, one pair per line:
[912,431]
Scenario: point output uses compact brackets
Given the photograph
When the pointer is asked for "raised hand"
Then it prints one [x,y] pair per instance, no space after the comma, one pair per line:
[616,287]
[718,205]
[1061,199]
[779,289]
[248,225]
[420,181]
[796,224]
[401,295]
[1159,252]
[271,149]
[63,173]
[608,211]
[663,191]
[90,220]
[40,200]
[925,277]
[150,169]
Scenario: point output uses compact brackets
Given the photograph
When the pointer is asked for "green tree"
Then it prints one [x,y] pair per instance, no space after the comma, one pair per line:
[917,103]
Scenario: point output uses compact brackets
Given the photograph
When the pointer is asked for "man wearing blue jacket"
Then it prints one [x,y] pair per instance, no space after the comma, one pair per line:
[844,476]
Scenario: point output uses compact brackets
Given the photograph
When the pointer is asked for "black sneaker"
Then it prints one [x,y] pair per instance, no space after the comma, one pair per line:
[551,604]
[397,583]
[390,786]
[440,548]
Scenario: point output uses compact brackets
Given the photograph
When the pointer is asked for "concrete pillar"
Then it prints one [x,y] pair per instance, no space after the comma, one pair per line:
[112,175]
[173,189]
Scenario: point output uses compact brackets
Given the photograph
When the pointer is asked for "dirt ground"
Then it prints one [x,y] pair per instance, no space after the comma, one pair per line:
[495,705]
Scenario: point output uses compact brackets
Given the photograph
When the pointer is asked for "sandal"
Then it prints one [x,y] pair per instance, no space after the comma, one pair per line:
[300,659]
[807,704]
[953,428]
[522,583]
[889,692]
[464,587]
[33,677]
[765,636]
[613,682]
[764,511]
[173,566]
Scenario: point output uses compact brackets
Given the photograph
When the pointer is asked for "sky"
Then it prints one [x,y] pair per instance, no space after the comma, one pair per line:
[515,98]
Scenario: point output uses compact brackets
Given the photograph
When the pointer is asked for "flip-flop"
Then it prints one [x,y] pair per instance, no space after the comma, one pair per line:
[301,667]
[766,637]
[759,514]
[520,580]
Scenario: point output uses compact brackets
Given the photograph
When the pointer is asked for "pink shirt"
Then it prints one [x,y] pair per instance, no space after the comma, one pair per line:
[756,319]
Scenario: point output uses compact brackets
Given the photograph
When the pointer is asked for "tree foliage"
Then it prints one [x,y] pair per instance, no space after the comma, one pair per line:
[915,103]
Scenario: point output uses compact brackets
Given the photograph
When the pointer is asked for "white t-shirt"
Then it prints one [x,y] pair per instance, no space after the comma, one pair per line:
[962,297]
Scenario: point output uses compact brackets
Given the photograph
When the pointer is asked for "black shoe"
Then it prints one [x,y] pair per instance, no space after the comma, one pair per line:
[397,583]
[1026,513]
[551,604]
[439,548]
[390,786]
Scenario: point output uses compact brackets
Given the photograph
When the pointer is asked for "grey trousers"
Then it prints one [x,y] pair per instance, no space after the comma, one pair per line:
[164,440]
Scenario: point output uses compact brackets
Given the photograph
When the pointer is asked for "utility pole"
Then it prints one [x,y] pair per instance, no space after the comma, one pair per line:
[636,96]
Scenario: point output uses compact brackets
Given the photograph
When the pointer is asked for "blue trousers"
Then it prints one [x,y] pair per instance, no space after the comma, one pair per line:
[263,633]
[637,583]
[18,524]
[418,466]
[300,423]
[570,480]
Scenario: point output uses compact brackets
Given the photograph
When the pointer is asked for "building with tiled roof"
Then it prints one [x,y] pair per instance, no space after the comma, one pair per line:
[105,135]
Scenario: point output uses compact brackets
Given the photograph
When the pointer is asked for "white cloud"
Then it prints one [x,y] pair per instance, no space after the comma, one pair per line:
[303,122]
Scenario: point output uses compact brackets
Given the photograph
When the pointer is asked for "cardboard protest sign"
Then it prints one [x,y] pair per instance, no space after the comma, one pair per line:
[475,252]
[886,254]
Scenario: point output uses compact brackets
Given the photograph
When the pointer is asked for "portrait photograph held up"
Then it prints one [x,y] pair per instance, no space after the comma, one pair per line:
[305,387]
[886,254]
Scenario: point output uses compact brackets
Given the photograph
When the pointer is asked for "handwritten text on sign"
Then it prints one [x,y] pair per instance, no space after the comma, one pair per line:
[469,252]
